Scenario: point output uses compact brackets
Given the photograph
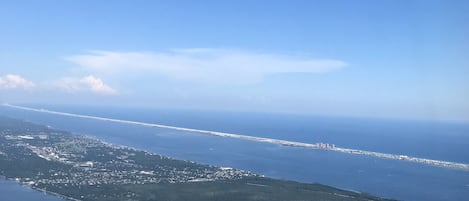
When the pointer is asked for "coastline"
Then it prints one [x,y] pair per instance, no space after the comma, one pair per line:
[314,166]
[117,146]
[319,145]
[50,193]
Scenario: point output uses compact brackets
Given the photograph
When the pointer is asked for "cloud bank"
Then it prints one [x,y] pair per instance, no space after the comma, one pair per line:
[195,65]
[87,83]
[11,81]
[202,65]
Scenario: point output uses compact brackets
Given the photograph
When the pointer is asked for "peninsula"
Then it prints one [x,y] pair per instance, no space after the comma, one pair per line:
[77,167]
[322,146]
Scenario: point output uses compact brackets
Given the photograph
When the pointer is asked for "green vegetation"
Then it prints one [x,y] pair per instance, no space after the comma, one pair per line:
[82,168]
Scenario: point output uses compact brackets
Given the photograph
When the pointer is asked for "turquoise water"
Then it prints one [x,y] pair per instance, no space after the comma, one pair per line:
[387,178]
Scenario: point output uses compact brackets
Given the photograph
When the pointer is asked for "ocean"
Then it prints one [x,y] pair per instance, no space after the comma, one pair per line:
[382,177]
[12,191]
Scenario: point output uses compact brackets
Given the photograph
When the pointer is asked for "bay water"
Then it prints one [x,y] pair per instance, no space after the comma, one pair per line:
[382,177]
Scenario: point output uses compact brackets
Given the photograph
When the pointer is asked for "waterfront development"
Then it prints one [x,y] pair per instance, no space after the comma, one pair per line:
[321,146]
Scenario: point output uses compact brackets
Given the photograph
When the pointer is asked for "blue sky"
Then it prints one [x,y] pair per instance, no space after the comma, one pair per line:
[391,59]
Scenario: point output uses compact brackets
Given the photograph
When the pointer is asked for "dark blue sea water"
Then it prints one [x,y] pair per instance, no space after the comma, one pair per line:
[12,191]
[388,178]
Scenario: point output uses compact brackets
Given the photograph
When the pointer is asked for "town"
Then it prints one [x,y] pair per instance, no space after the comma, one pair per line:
[77,167]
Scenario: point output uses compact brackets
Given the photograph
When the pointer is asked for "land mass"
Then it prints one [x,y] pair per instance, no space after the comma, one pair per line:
[322,146]
[77,167]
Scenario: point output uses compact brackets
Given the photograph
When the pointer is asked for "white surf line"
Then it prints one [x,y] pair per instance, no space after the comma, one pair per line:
[261,139]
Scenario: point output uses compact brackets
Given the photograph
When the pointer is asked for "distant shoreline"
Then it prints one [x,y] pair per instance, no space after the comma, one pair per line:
[321,146]
[117,146]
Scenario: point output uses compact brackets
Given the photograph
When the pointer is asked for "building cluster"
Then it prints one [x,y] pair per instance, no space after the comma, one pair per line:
[86,161]
[325,146]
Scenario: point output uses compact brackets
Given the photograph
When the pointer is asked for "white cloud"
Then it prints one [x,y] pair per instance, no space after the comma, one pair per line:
[97,85]
[87,83]
[206,65]
[11,81]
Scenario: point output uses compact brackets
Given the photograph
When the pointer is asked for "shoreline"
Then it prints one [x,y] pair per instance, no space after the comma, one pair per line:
[318,146]
[39,190]
[117,146]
